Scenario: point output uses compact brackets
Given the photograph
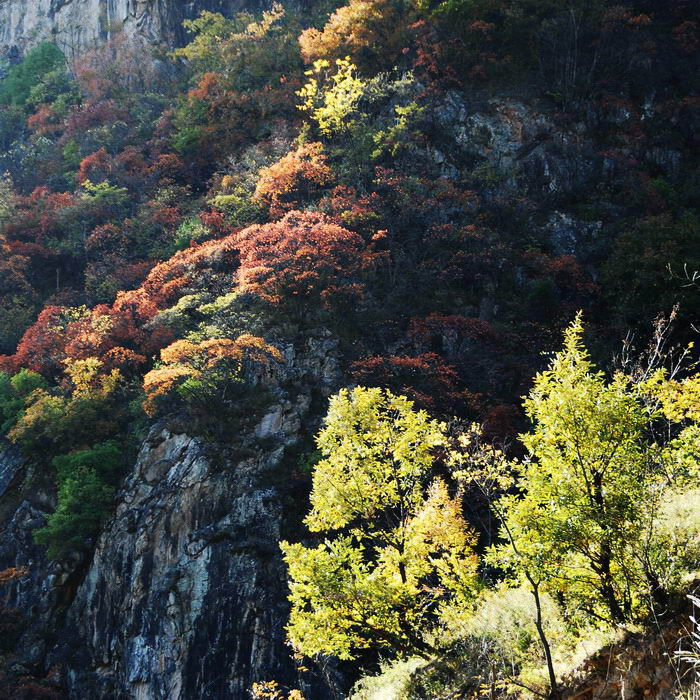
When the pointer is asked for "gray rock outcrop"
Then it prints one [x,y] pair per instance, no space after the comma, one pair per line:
[77,25]
[185,593]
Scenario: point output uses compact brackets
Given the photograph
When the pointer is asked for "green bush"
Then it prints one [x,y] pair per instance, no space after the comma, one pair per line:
[42,60]
[494,648]
[390,684]
[104,458]
[56,87]
[53,424]
[14,392]
[86,483]
[83,502]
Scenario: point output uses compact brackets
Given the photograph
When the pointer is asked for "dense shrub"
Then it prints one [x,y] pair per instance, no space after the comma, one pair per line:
[41,63]
[86,483]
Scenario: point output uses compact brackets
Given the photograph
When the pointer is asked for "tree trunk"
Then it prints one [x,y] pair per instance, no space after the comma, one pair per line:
[607,589]
[554,693]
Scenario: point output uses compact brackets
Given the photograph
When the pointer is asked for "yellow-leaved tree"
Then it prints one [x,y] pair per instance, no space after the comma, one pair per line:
[584,520]
[331,95]
[398,553]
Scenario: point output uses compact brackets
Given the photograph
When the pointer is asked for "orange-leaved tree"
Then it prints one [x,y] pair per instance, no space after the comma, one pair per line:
[299,175]
[304,261]
[367,31]
[201,374]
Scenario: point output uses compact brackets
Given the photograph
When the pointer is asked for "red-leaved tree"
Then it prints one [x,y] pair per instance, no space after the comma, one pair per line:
[304,261]
[427,379]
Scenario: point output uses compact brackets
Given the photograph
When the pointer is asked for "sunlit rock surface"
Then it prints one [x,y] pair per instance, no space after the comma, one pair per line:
[77,25]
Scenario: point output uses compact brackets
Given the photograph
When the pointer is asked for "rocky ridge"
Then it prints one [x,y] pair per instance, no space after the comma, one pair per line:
[185,595]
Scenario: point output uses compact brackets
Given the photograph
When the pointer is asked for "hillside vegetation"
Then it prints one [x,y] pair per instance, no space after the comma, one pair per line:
[492,205]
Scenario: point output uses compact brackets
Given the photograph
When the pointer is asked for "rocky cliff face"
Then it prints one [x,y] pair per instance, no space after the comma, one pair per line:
[185,594]
[76,25]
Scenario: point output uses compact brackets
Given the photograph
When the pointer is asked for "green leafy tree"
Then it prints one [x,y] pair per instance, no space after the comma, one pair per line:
[480,464]
[57,88]
[584,521]
[14,395]
[679,405]
[245,51]
[398,553]
[42,60]
[55,420]
[86,481]
[104,458]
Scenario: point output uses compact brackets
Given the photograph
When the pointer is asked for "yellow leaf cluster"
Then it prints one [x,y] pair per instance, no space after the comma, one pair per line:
[331,94]
[184,360]
[408,553]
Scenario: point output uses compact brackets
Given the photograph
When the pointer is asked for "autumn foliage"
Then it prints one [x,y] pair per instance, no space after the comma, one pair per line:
[427,379]
[210,265]
[336,171]
[201,372]
[365,30]
[7,575]
[305,260]
[293,179]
